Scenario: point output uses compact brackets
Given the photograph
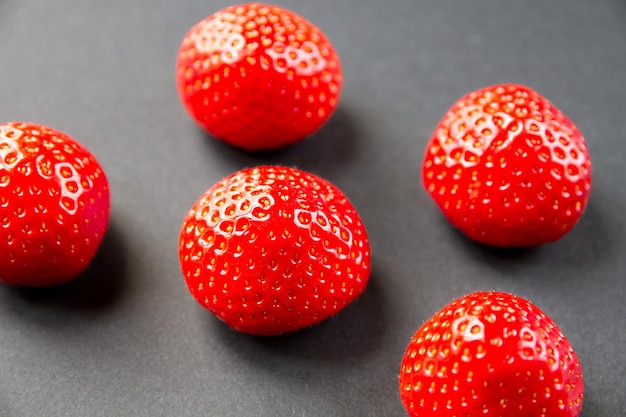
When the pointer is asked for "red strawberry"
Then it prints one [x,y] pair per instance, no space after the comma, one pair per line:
[271,250]
[508,168]
[491,354]
[54,205]
[258,76]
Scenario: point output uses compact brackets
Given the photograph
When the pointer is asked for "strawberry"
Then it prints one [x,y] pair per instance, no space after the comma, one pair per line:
[54,205]
[258,76]
[508,168]
[491,354]
[271,250]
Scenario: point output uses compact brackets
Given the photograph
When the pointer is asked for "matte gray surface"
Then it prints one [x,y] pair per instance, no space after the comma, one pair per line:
[126,339]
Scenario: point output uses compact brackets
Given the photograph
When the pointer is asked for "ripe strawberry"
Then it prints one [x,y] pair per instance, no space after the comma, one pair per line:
[271,250]
[508,168]
[258,76]
[54,205]
[491,354]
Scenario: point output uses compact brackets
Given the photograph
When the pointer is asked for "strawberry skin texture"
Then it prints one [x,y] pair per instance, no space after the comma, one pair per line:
[258,76]
[491,354]
[54,206]
[271,250]
[508,168]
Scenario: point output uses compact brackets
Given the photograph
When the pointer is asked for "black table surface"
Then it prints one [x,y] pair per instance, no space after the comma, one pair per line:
[127,339]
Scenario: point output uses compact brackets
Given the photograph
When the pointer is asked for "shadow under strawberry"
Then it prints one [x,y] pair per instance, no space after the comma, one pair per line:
[588,243]
[96,288]
[354,333]
[329,148]
[335,356]
[591,241]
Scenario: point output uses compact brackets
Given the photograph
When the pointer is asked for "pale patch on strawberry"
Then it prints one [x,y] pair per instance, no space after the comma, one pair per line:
[71,186]
[469,328]
[10,153]
[571,153]
[232,203]
[220,35]
[44,167]
[305,60]
[472,132]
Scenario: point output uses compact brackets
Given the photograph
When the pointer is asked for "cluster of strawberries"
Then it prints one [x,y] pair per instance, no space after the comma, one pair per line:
[273,249]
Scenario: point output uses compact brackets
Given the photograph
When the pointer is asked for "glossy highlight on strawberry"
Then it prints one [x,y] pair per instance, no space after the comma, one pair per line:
[258,76]
[508,168]
[54,205]
[491,354]
[271,250]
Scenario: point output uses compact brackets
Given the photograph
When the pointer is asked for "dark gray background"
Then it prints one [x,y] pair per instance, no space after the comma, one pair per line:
[126,339]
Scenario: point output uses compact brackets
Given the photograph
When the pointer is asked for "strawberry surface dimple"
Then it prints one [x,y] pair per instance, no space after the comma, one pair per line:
[54,205]
[508,168]
[258,76]
[491,354]
[271,250]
